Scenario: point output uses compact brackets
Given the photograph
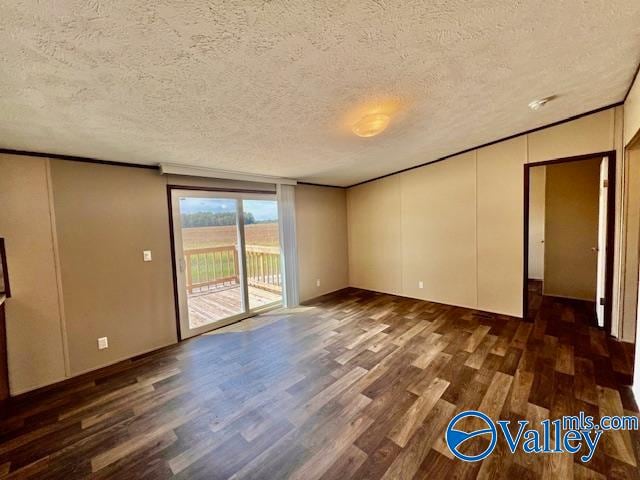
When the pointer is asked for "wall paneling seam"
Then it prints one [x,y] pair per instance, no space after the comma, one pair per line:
[58,272]
[475,163]
[403,288]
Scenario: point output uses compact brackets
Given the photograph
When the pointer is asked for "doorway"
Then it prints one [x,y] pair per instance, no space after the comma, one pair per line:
[227,257]
[568,238]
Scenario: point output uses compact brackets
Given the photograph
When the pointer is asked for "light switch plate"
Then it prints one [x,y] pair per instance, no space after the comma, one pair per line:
[103,342]
[146,254]
[317,282]
[420,284]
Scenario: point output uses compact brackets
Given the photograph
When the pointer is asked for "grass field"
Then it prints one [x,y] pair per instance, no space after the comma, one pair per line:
[209,266]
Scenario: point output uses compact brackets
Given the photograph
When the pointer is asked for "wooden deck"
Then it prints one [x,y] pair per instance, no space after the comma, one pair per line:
[215,305]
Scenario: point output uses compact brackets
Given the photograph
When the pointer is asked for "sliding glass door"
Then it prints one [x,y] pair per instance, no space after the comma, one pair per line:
[228,262]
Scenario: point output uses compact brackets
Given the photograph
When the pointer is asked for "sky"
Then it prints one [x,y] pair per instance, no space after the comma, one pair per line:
[261,209]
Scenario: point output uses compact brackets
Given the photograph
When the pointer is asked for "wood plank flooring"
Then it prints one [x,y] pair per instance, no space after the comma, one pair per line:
[357,385]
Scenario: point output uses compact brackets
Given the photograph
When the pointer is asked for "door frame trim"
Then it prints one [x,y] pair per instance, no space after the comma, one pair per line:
[174,268]
[611,224]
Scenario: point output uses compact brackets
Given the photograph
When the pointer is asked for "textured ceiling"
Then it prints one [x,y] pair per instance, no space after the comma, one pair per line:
[271,87]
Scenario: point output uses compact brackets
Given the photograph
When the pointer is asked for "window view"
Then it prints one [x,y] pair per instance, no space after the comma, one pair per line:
[263,252]
[211,260]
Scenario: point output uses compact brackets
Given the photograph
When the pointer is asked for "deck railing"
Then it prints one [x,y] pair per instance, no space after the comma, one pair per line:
[211,267]
[217,267]
[263,267]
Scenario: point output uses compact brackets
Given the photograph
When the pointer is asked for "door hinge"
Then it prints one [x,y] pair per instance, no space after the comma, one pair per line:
[602,301]
[605,183]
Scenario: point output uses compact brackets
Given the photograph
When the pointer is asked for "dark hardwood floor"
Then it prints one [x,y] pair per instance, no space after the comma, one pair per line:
[358,385]
[583,312]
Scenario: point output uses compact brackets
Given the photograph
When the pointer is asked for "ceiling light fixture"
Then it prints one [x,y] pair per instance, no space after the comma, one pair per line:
[371,125]
[538,104]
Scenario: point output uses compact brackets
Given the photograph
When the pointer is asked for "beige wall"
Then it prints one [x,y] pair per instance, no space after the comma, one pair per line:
[627,253]
[632,112]
[500,218]
[571,229]
[187,181]
[106,216]
[632,232]
[496,217]
[590,134]
[438,215]
[75,235]
[630,323]
[321,226]
[536,222]
[374,230]
[34,328]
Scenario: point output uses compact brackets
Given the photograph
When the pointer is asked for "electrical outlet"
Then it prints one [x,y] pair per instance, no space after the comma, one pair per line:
[317,282]
[146,255]
[103,342]
[420,284]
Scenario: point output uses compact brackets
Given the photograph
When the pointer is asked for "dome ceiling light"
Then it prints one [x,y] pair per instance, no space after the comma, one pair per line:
[371,125]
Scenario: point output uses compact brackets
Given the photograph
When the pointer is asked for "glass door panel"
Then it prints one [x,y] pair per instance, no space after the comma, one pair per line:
[262,247]
[209,262]
[218,236]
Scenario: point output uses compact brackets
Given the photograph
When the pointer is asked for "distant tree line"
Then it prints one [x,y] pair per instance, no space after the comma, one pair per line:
[210,219]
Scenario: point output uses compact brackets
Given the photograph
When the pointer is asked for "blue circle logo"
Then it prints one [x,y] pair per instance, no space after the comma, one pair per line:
[456,438]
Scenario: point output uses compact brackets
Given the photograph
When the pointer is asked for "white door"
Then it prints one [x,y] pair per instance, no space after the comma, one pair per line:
[602,241]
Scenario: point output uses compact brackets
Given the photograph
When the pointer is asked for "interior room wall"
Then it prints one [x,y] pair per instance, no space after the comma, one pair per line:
[375,210]
[374,229]
[500,225]
[536,222]
[321,229]
[631,320]
[632,243]
[215,183]
[105,217]
[75,235]
[571,229]
[34,327]
[628,291]
[580,137]
[437,214]
[632,112]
